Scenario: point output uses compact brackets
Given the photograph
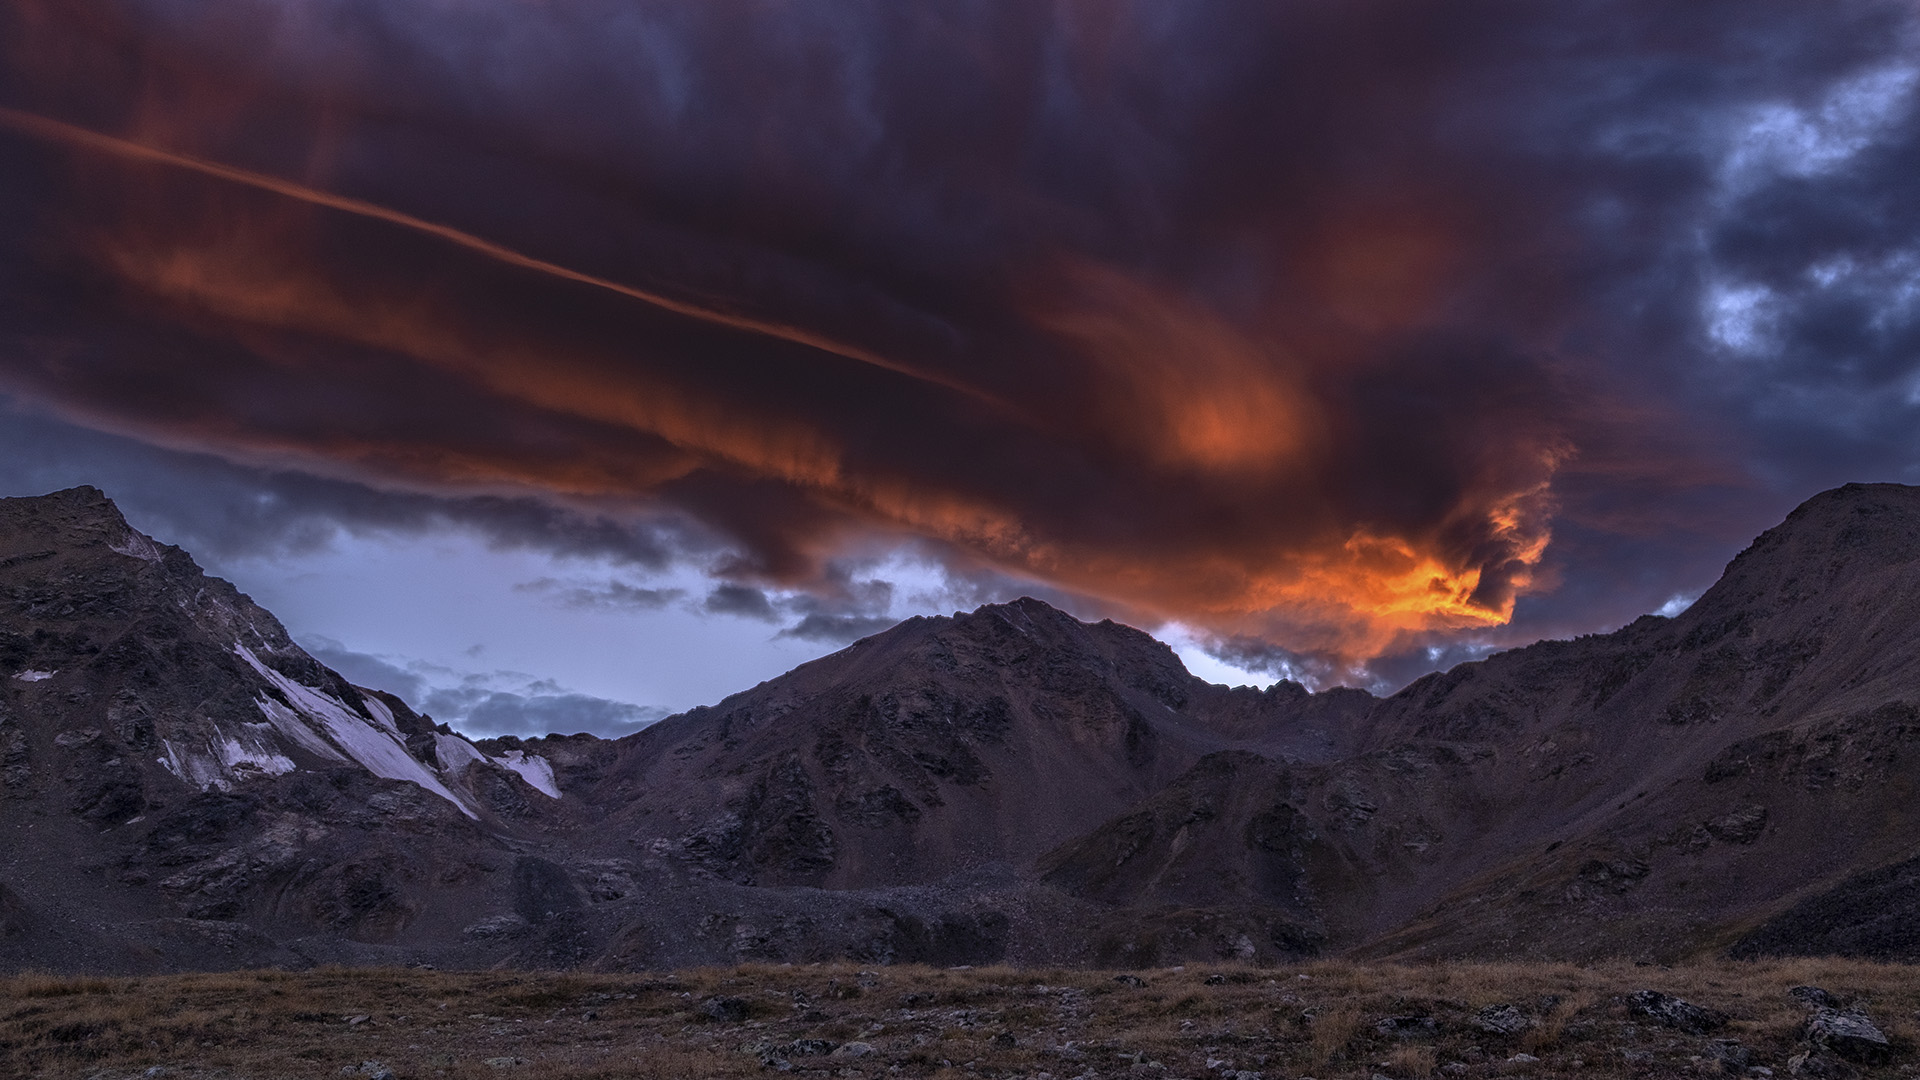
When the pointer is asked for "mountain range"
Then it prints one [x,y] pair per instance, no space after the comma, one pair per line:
[183,787]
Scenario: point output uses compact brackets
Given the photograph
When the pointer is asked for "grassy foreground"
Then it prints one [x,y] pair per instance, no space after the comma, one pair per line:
[1322,1020]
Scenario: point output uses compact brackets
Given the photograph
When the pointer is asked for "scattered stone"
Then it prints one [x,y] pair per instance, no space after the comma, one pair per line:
[357,1020]
[1743,826]
[1850,1034]
[1812,997]
[1522,1059]
[1005,1040]
[1821,1065]
[1503,1020]
[730,1010]
[1215,980]
[1408,1027]
[854,1050]
[372,1070]
[1129,980]
[504,1062]
[1676,1012]
[498,926]
[1732,1056]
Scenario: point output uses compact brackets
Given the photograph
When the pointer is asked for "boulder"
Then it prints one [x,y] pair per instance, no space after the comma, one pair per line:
[1850,1034]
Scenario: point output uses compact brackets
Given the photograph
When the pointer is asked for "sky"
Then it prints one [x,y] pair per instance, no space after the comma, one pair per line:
[563,365]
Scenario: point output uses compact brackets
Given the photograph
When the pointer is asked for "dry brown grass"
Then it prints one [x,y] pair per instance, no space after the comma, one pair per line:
[963,1024]
[1413,1062]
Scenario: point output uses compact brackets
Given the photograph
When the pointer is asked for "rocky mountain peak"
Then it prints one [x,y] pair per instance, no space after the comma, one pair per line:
[72,520]
[1835,540]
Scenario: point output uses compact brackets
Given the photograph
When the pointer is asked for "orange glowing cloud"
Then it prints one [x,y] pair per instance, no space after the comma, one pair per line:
[1189,392]
[1256,420]
[1184,385]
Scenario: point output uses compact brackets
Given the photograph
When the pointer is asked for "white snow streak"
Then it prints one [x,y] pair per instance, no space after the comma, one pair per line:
[35,676]
[532,768]
[380,751]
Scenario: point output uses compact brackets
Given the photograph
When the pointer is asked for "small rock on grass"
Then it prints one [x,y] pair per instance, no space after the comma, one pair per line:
[1503,1020]
[1820,1064]
[1812,996]
[1850,1034]
[730,1010]
[1409,1027]
[1732,1056]
[504,1062]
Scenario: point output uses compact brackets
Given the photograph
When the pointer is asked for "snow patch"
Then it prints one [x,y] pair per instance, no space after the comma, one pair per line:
[532,768]
[295,727]
[239,757]
[35,676]
[200,770]
[455,753]
[379,750]
[381,714]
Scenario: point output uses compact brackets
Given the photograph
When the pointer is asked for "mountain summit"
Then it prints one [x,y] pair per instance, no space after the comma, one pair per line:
[182,786]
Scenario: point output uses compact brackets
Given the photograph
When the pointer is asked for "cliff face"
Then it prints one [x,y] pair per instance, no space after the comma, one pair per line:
[182,786]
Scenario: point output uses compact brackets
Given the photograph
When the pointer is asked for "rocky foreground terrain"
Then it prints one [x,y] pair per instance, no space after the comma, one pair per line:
[1802,1018]
[182,787]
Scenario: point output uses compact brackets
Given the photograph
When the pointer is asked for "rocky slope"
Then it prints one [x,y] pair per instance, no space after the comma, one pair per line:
[175,770]
[185,787]
[1736,776]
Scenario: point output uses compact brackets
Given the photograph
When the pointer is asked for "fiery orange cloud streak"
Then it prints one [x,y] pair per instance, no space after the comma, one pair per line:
[73,135]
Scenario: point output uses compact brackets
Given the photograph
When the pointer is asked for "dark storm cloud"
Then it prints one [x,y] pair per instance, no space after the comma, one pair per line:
[742,600]
[1349,330]
[837,629]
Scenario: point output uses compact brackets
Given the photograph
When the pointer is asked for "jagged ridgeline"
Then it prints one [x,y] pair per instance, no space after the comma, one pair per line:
[182,786]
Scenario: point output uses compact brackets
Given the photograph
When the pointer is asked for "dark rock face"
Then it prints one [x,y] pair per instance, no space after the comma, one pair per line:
[182,786]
